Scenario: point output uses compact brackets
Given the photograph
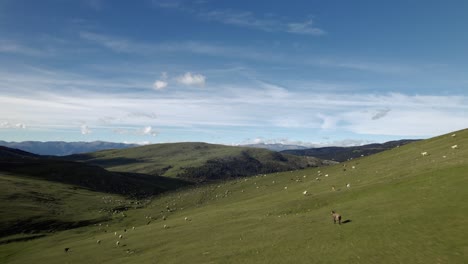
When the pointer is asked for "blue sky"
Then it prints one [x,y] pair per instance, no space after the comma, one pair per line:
[233,72]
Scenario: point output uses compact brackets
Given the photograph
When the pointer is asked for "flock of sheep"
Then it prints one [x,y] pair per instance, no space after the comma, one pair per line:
[336,217]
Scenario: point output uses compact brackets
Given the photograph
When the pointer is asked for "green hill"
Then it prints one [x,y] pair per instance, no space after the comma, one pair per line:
[196,161]
[401,207]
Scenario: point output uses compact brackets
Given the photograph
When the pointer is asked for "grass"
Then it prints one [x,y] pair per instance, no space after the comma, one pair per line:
[402,207]
[30,206]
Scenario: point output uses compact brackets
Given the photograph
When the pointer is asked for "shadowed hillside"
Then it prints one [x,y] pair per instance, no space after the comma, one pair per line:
[341,154]
[197,161]
[83,175]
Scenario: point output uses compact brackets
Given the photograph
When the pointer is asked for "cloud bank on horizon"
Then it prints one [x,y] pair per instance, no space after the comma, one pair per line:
[168,71]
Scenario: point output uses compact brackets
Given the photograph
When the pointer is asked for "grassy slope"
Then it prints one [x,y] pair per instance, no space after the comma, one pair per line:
[171,160]
[31,206]
[404,208]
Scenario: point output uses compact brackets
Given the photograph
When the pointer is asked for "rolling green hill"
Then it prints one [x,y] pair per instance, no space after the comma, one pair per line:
[196,161]
[400,207]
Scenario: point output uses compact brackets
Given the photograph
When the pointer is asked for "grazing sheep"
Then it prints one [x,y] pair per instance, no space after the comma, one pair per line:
[121,236]
[305,193]
[326,175]
[133,228]
[99,241]
[333,188]
[348,185]
[444,156]
[286,187]
[454,135]
[353,167]
[454,146]
[424,153]
[186,219]
[115,233]
[166,226]
[336,217]
[117,243]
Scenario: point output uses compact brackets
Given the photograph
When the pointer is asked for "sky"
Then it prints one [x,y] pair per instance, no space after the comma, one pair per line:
[311,73]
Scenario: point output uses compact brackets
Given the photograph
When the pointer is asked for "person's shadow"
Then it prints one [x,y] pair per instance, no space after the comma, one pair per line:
[346,221]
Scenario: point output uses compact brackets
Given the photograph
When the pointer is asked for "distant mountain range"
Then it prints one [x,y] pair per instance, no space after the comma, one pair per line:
[60,148]
[341,154]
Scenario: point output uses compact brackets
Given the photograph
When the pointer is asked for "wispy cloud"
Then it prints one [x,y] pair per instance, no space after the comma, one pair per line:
[380,113]
[268,23]
[246,19]
[249,106]
[18,48]
[305,28]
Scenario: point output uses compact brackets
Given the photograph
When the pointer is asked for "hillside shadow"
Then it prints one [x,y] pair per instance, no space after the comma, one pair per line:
[346,221]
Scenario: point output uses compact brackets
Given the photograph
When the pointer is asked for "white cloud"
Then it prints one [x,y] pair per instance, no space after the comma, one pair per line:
[159,85]
[148,130]
[6,124]
[192,79]
[162,83]
[145,131]
[85,129]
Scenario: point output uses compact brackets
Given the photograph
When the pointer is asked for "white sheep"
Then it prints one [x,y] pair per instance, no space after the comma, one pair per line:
[454,146]
[348,185]
[186,219]
[166,226]
[305,193]
[353,167]
[286,187]
[424,153]
[121,236]
[326,175]
[454,135]
[115,233]
[117,243]
[133,228]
